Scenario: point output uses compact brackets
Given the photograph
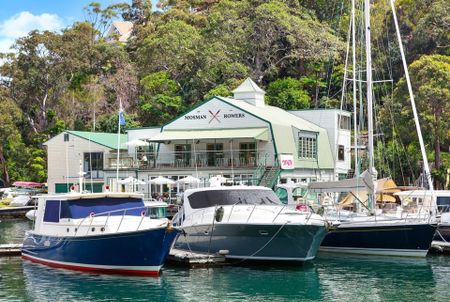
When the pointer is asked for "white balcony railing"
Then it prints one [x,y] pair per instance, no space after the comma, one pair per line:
[189,160]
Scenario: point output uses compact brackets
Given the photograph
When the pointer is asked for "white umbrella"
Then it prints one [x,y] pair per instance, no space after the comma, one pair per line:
[189,180]
[137,143]
[162,181]
[217,180]
[131,180]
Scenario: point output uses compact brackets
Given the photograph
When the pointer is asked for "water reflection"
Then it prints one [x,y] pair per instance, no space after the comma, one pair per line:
[380,278]
[13,230]
[328,278]
[48,284]
[333,278]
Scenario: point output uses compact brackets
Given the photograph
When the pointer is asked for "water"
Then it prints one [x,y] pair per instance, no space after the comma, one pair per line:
[328,278]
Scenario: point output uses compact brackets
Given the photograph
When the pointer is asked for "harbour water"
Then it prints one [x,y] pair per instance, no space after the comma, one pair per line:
[328,278]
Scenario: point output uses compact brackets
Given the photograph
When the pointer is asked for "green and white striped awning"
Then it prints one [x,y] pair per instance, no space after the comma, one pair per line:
[174,135]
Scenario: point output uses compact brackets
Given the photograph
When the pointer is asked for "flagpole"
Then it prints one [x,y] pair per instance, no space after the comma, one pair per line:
[118,144]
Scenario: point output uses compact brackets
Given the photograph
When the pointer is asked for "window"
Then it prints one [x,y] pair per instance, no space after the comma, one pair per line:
[344,122]
[214,154]
[307,147]
[212,198]
[182,155]
[247,154]
[341,153]
[282,194]
[66,137]
[93,164]
[52,209]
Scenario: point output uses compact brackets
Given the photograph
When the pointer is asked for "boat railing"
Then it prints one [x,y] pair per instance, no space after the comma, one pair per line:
[144,213]
[204,214]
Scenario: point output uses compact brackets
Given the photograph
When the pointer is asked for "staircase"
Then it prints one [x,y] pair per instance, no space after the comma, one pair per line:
[270,176]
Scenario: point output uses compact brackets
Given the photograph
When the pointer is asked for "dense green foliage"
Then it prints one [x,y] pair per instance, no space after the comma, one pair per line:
[189,50]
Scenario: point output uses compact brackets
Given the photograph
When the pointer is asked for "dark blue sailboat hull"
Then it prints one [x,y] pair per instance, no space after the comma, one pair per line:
[139,253]
[381,239]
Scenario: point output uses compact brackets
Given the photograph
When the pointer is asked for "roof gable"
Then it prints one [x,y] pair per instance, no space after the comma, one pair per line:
[248,86]
[108,140]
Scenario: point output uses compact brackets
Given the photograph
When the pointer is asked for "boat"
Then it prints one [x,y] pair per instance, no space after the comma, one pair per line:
[247,223]
[108,232]
[422,202]
[365,230]
[361,232]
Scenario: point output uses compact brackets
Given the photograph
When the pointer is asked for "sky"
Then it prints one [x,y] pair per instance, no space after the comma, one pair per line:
[19,17]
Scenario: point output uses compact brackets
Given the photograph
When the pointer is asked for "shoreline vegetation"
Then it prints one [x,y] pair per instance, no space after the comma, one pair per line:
[185,51]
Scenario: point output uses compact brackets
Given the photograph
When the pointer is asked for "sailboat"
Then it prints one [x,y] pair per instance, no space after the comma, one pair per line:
[367,231]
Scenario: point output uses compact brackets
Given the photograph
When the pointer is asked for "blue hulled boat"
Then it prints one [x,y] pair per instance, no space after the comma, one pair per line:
[100,232]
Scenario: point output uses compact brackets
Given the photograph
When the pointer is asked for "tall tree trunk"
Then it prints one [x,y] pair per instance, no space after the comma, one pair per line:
[5,174]
[437,143]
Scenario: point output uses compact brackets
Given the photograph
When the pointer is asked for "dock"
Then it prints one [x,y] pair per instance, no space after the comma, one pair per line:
[195,259]
[15,212]
[10,249]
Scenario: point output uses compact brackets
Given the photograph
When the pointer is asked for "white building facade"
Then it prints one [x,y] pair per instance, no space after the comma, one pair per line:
[240,138]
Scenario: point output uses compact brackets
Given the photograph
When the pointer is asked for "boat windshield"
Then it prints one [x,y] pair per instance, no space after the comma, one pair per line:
[211,198]
[81,208]
[443,203]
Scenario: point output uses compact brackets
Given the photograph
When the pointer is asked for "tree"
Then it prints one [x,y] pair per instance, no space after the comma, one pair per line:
[430,76]
[287,93]
[160,100]
[13,153]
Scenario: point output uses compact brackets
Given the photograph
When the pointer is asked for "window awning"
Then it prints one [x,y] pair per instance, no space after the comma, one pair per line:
[173,135]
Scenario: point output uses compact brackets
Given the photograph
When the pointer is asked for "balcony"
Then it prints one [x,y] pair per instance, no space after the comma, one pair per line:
[189,160]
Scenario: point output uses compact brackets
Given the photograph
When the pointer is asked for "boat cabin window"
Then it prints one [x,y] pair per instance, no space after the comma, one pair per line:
[81,208]
[282,194]
[443,203]
[52,210]
[205,199]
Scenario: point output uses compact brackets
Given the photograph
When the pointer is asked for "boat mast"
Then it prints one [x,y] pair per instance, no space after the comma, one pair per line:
[355,126]
[372,170]
[413,103]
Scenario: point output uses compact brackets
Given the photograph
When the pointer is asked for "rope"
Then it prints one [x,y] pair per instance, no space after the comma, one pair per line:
[264,246]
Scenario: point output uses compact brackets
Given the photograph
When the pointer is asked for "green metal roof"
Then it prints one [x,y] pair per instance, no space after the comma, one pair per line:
[282,123]
[105,139]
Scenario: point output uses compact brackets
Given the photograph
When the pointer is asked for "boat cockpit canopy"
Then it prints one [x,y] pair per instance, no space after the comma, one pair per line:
[211,198]
[81,208]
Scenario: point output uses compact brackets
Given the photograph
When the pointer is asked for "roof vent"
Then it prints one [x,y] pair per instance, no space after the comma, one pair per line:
[249,92]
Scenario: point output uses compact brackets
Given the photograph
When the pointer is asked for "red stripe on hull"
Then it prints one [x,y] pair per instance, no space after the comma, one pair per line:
[94,269]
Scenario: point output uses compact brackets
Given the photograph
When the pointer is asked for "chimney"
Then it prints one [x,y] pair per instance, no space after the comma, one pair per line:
[249,92]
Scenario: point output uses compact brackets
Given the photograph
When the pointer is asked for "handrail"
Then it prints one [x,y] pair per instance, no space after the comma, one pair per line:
[202,213]
[108,213]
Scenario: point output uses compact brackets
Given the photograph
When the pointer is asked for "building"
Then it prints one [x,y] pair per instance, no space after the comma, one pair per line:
[240,138]
[70,149]
[119,31]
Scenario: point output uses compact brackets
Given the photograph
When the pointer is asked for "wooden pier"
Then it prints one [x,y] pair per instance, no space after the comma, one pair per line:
[15,212]
[10,250]
[193,260]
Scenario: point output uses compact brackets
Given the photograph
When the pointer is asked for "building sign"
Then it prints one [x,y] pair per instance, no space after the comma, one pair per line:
[216,114]
[195,117]
[287,161]
[213,116]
